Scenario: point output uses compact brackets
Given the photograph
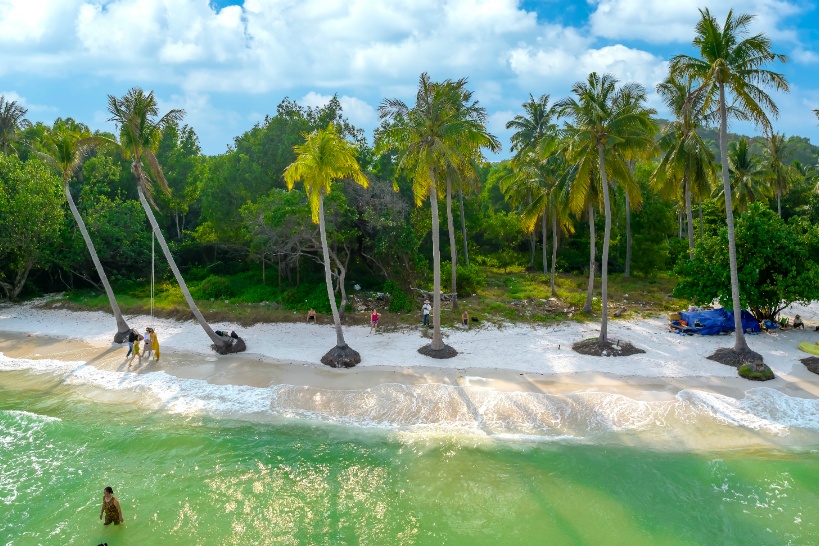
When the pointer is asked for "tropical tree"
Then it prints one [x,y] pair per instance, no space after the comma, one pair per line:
[140,129]
[534,143]
[779,174]
[323,158]
[607,124]
[436,133]
[747,182]
[67,145]
[686,161]
[465,168]
[731,62]
[12,122]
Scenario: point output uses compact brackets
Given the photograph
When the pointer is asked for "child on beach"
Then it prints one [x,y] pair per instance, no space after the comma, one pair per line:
[135,353]
[374,321]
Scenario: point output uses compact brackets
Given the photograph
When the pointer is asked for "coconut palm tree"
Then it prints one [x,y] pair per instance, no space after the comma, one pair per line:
[460,171]
[747,177]
[436,133]
[686,162]
[140,128]
[778,172]
[535,141]
[324,157]
[12,121]
[67,145]
[607,123]
[731,62]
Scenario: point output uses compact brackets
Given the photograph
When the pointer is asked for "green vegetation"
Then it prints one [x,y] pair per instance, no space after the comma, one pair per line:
[597,187]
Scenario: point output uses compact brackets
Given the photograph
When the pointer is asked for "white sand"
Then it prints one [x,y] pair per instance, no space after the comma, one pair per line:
[529,349]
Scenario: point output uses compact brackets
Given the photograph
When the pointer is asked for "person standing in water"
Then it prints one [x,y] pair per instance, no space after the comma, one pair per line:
[111,507]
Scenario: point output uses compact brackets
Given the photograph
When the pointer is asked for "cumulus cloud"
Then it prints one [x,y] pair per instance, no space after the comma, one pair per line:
[660,21]
[359,112]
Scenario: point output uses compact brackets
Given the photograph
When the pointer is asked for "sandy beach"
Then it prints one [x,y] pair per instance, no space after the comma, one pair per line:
[515,380]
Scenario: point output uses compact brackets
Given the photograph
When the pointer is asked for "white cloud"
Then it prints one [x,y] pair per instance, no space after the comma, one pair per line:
[661,21]
[804,56]
[359,112]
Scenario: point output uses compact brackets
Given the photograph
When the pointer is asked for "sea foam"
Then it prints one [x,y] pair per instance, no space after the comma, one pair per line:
[439,407]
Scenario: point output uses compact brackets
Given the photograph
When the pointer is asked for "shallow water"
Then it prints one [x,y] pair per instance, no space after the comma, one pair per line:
[194,463]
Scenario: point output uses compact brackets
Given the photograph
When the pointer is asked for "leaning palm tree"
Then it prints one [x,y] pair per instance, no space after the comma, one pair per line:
[732,62]
[323,158]
[686,161]
[607,123]
[12,121]
[140,128]
[778,172]
[67,145]
[433,135]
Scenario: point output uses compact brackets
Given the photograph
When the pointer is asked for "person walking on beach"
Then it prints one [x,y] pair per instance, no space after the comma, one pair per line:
[465,318]
[132,336]
[426,309]
[111,507]
[154,345]
[135,353]
[374,321]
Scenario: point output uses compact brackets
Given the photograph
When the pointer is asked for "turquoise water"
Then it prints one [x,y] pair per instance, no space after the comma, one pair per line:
[185,479]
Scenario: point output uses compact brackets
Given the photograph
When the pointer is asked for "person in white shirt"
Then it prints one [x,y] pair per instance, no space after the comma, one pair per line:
[426,309]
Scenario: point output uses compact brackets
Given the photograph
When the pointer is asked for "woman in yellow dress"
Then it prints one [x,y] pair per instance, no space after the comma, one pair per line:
[155,345]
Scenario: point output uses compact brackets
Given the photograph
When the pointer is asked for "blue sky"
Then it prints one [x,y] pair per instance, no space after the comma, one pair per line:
[228,63]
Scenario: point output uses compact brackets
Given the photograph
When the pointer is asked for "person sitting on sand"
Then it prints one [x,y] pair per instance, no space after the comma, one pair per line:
[135,353]
[111,507]
[465,318]
[311,315]
[374,321]
[797,322]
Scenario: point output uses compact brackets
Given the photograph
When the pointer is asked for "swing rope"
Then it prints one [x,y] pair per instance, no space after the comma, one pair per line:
[153,239]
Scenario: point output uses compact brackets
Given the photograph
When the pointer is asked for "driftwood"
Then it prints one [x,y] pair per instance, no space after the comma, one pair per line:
[427,295]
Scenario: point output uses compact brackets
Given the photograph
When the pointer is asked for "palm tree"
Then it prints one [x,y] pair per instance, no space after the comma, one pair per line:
[436,133]
[779,173]
[686,162]
[466,167]
[324,157]
[534,141]
[139,132]
[731,62]
[67,145]
[747,177]
[607,123]
[12,121]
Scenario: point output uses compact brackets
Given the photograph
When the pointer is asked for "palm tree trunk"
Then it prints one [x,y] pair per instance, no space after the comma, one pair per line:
[606,237]
[122,326]
[554,252]
[627,272]
[690,217]
[740,344]
[437,340]
[453,250]
[184,287]
[532,249]
[544,234]
[463,226]
[779,203]
[588,307]
[328,278]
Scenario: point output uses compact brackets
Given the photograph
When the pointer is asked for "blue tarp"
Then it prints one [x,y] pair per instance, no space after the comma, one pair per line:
[717,321]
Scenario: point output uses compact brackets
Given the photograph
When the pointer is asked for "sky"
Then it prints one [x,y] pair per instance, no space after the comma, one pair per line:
[228,63]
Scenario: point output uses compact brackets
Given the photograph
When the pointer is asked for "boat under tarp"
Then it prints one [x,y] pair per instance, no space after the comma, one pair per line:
[712,322]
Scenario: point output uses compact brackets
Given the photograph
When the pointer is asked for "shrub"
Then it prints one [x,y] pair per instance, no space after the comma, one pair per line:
[257,293]
[749,371]
[399,301]
[216,287]
[306,296]
[469,279]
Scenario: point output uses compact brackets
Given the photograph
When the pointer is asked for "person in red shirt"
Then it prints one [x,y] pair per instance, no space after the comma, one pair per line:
[374,321]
